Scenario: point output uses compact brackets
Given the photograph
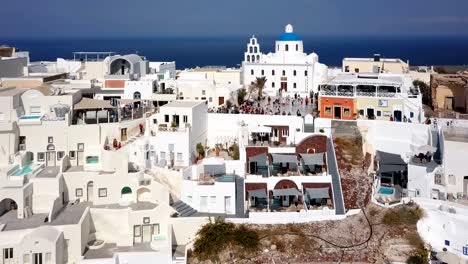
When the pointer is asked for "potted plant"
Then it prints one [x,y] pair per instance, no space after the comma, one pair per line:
[200,151]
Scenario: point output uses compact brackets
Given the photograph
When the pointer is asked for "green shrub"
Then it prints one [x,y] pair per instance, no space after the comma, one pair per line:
[214,237]
[235,151]
[420,253]
[200,149]
[409,215]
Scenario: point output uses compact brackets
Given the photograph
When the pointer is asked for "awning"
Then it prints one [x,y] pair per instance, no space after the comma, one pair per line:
[92,104]
[284,158]
[260,129]
[389,158]
[260,159]
[318,193]
[313,159]
[286,192]
[424,149]
[128,101]
[259,193]
[391,168]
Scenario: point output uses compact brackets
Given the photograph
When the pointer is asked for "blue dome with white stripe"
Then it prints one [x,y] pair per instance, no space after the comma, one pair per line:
[289,34]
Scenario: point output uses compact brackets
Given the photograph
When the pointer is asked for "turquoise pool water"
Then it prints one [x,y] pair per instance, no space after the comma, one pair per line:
[30,117]
[27,168]
[386,190]
[226,178]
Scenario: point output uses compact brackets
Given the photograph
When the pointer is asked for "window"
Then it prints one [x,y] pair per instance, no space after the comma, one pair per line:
[50,140]
[26,258]
[286,47]
[379,113]
[48,258]
[285,132]
[185,118]
[72,155]
[146,220]
[102,192]
[8,253]
[294,72]
[212,199]
[305,73]
[78,192]
[361,112]
[203,92]
[60,154]
[273,72]
[297,47]
[383,103]
[248,58]
[80,146]
[411,114]
[294,85]
[250,49]
[179,156]
[251,72]
[328,110]
[356,70]
[210,99]
[284,72]
[40,156]
[263,72]
[273,84]
[346,112]
[255,49]
[166,118]
[92,159]
[137,231]
[451,179]
[162,155]
[203,98]
[346,69]
[196,98]
[156,229]
[155,121]
[136,95]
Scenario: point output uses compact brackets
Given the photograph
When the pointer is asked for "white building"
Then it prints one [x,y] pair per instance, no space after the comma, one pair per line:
[288,69]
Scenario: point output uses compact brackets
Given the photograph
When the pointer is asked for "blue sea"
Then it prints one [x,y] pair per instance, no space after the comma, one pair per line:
[228,51]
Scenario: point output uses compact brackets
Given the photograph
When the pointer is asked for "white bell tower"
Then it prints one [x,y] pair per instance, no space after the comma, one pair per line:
[252,54]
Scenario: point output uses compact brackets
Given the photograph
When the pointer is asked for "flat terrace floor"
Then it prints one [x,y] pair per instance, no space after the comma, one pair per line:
[108,250]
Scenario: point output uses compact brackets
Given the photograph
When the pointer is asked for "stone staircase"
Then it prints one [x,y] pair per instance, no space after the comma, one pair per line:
[183,209]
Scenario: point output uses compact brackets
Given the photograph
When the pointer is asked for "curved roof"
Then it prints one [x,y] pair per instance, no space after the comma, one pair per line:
[131,58]
[289,36]
[45,232]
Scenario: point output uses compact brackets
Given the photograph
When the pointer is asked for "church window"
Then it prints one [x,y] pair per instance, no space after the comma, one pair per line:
[273,84]
[250,49]
[273,72]
[284,72]
[294,72]
[248,58]
[251,72]
[286,47]
[263,72]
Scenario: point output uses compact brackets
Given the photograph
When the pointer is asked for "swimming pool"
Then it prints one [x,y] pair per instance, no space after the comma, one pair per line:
[26,169]
[30,117]
[386,190]
[226,178]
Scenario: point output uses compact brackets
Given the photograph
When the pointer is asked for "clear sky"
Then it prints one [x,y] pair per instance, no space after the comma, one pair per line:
[155,18]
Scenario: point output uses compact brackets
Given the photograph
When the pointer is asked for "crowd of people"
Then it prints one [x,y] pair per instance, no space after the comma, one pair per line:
[288,105]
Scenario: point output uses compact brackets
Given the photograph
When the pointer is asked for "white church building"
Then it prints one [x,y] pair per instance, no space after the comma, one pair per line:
[288,70]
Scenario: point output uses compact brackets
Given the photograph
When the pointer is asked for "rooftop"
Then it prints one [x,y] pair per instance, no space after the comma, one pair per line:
[457,134]
[372,59]
[184,104]
[10,91]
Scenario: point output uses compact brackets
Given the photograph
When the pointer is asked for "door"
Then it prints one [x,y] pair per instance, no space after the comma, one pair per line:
[448,103]
[221,100]
[370,113]
[284,86]
[397,116]
[285,200]
[89,191]
[123,134]
[50,161]
[147,233]
[227,205]
[137,238]
[79,158]
[204,204]
[37,259]
[175,120]
[8,256]
[337,112]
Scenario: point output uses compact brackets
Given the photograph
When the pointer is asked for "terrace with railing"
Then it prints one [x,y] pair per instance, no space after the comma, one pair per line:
[361,90]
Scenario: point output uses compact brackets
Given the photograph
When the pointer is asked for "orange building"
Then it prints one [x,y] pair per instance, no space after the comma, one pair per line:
[337,108]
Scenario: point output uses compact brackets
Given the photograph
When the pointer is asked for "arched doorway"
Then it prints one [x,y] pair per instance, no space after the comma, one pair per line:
[89,191]
[126,194]
[286,200]
[7,205]
[143,195]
